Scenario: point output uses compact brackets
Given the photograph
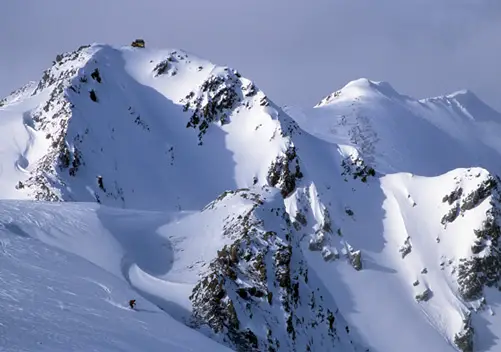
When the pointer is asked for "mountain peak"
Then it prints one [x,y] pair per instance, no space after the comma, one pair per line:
[164,101]
[277,230]
[469,100]
[362,87]
[19,93]
[463,93]
[367,86]
[469,104]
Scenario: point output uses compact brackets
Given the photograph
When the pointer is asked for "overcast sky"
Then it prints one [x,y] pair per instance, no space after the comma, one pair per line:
[297,51]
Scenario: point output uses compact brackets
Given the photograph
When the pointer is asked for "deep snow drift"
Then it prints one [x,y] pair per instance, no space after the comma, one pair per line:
[184,185]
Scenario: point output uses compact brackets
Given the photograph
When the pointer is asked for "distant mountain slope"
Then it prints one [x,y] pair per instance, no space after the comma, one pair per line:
[399,134]
[264,228]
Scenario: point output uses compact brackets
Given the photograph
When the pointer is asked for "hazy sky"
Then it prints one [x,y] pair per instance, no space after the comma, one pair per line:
[297,51]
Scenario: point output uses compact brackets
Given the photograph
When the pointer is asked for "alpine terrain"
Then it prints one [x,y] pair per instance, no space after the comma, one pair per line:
[370,222]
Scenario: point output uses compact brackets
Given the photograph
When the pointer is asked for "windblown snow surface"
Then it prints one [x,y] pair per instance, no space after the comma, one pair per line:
[367,223]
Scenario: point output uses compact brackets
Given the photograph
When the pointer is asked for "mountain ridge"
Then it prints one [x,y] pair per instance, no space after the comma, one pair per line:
[350,191]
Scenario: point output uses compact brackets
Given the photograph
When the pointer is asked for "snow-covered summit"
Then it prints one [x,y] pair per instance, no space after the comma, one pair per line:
[362,88]
[262,228]
[19,94]
[111,118]
[473,106]
[398,133]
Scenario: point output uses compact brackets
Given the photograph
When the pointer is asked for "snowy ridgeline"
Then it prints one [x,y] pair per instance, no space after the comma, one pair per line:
[238,225]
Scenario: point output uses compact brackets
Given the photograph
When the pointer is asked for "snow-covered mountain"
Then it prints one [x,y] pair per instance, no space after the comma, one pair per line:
[250,227]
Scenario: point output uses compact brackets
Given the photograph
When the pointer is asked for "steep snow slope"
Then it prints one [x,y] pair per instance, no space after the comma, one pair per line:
[21,144]
[159,256]
[157,161]
[123,147]
[409,261]
[242,139]
[256,232]
[414,245]
[53,300]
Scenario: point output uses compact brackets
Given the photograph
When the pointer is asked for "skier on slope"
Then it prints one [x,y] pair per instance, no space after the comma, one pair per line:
[132,303]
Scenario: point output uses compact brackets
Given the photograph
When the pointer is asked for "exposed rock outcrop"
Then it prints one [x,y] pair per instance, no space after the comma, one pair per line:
[260,274]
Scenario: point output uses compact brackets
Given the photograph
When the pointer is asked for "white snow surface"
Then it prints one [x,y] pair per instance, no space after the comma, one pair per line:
[397,133]
[68,269]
